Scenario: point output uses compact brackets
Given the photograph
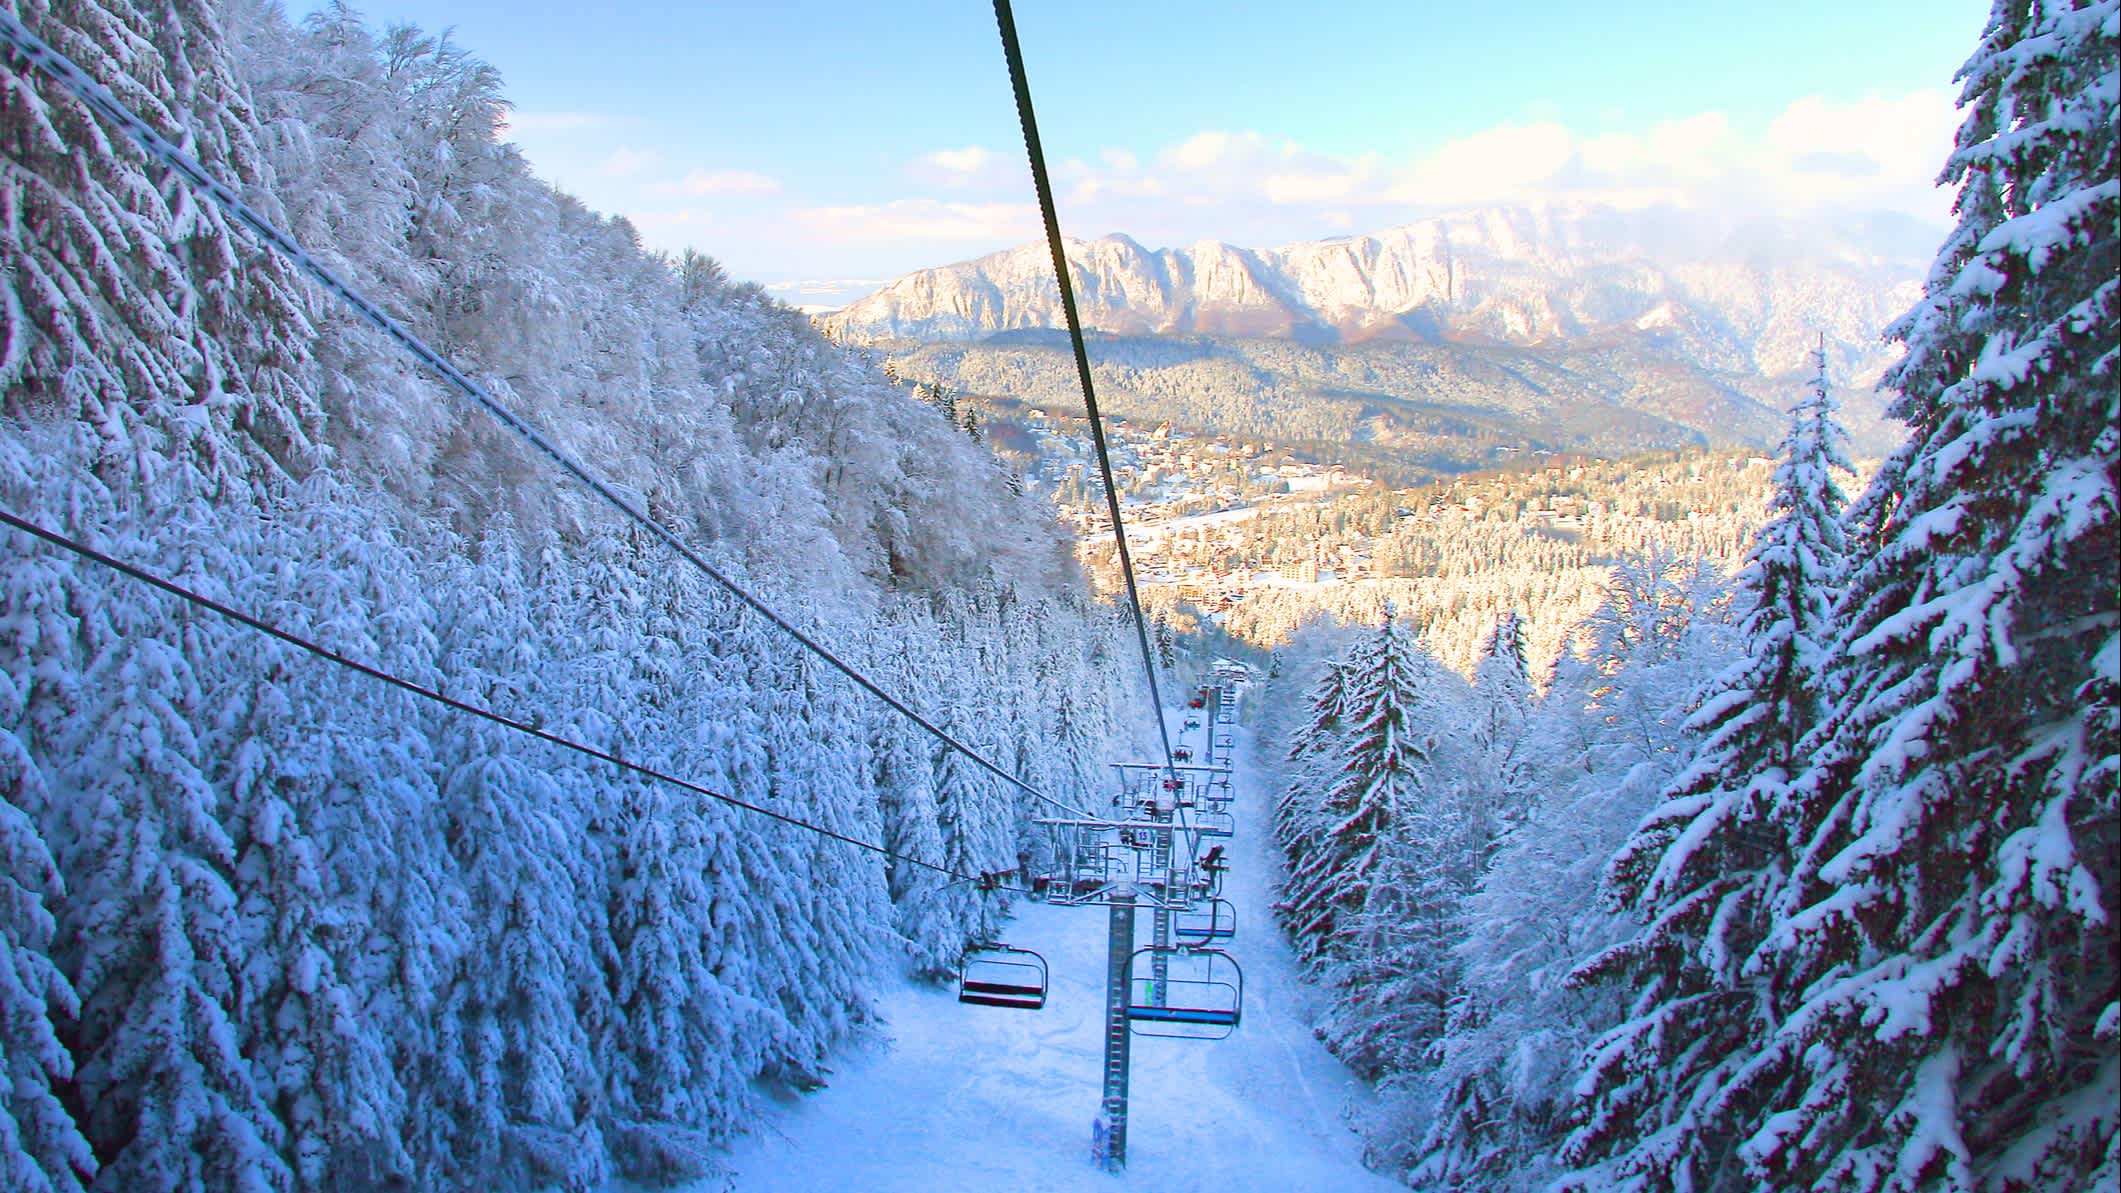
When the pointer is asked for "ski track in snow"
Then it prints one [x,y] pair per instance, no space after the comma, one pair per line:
[968,1099]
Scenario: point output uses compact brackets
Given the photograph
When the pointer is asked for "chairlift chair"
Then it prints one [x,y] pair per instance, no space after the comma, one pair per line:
[1000,975]
[1217,923]
[1200,998]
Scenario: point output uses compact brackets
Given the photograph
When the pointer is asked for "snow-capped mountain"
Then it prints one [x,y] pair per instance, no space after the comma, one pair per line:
[1731,296]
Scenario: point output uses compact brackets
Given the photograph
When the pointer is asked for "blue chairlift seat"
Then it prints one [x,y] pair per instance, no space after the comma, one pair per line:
[1219,922]
[1200,998]
[1209,1016]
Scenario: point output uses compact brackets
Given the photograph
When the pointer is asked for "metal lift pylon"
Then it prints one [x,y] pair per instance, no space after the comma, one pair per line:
[1110,1135]
[1160,863]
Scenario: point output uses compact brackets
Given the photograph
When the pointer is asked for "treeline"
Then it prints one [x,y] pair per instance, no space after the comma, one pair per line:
[267,924]
[1851,820]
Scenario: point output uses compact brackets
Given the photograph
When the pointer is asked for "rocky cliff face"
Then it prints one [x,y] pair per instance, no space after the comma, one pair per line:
[1728,296]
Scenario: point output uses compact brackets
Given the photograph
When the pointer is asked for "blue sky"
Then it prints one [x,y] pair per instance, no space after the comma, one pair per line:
[834,142]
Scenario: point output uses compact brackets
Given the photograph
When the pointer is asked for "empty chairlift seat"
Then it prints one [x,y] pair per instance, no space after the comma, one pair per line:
[997,975]
[1198,996]
[1216,922]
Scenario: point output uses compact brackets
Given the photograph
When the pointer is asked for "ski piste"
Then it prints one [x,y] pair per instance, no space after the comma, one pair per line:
[955,1097]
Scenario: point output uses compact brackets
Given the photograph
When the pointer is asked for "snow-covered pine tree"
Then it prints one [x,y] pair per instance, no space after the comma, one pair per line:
[1503,681]
[1399,973]
[904,782]
[151,934]
[512,1079]
[821,764]
[326,1073]
[1699,871]
[977,837]
[1597,752]
[1942,956]
[1379,774]
[105,267]
[1299,811]
[41,1149]
[1502,699]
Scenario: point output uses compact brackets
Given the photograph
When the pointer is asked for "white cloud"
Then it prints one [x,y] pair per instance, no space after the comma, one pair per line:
[1215,165]
[973,167]
[1494,163]
[825,294]
[1873,154]
[1886,152]
[1697,149]
[626,161]
[969,160]
[721,182]
[923,219]
[1212,150]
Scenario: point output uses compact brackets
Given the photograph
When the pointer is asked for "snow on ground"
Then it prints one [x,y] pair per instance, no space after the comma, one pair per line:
[967,1099]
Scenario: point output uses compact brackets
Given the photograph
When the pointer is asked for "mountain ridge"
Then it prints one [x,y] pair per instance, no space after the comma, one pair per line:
[1736,306]
[1526,276]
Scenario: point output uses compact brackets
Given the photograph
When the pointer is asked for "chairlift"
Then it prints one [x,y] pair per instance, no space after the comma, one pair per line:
[1217,923]
[1000,975]
[1201,996]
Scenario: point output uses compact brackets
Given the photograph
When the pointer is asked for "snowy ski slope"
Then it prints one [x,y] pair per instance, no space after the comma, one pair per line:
[966,1099]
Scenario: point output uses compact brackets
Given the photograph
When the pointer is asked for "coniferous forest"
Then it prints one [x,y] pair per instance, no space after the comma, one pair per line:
[1795,871]
[1850,812]
[272,925]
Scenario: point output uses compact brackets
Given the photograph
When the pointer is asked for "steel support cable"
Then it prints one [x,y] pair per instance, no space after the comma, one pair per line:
[143,576]
[1014,52]
[99,99]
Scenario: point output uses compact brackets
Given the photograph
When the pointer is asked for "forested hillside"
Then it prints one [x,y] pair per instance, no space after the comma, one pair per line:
[272,925]
[1406,412]
[1540,544]
[1850,814]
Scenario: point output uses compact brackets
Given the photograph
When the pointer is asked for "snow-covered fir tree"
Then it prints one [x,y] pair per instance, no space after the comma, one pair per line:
[1699,870]
[1595,755]
[1375,754]
[1936,976]
[1503,681]
[1502,694]
[41,1149]
[1308,756]
[1383,841]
